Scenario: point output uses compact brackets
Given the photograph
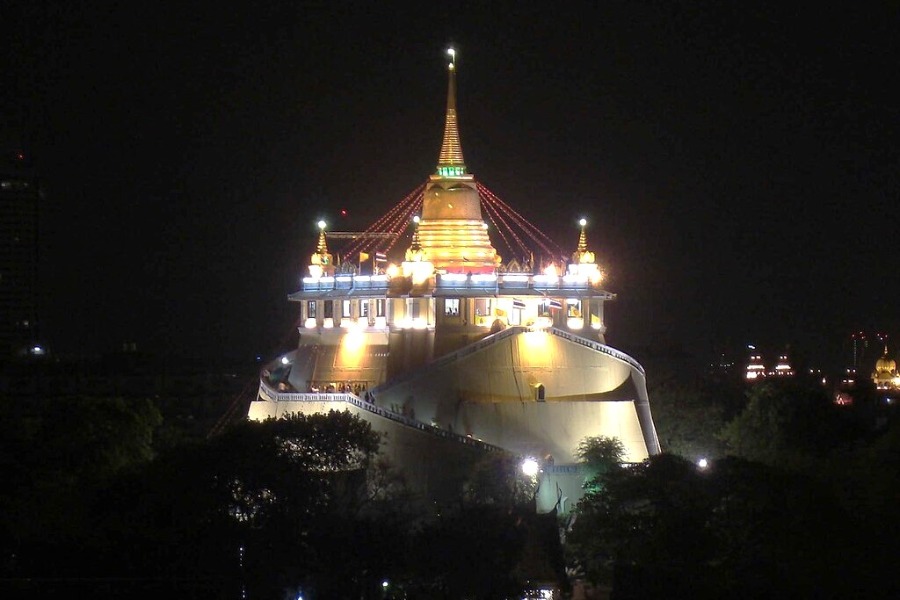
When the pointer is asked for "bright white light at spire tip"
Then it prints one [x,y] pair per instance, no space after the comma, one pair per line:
[582,221]
[321,224]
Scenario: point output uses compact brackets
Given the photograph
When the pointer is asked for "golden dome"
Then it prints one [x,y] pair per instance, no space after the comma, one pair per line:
[885,363]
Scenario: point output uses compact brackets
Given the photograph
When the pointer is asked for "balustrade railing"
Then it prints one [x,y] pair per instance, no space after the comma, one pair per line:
[598,347]
[510,282]
[502,335]
[270,395]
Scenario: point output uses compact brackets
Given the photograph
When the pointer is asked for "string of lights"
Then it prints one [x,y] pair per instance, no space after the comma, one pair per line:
[495,217]
[531,231]
[401,223]
[387,223]
[514,230]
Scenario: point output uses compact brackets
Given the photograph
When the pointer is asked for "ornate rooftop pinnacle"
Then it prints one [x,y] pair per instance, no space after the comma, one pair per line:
[322,247]
[416,244]
[450,161]
[415,252]
[582,239]
[582,255]
[321,263]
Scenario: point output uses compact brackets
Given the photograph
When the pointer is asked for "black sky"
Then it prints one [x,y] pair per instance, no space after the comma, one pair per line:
[739,164]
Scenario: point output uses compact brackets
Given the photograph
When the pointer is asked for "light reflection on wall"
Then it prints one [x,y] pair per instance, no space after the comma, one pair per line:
[353,346]
[537,346]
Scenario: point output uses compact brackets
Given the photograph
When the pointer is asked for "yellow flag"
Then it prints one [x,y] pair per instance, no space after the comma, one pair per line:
[363,257]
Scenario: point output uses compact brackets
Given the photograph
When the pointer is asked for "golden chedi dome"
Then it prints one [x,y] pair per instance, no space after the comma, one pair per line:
[885,374]
[885,363]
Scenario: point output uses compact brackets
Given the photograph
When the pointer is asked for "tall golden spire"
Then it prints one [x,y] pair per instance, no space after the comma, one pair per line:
[451,235]
[450,161]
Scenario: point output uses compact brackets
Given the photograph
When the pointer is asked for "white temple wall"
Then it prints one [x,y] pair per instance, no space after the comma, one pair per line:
[492,395]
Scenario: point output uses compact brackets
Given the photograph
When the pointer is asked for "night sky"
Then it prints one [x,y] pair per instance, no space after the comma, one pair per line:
[738,164]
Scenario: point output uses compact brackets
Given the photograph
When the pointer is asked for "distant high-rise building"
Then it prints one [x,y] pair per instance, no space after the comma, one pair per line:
[19,204]
[860,344]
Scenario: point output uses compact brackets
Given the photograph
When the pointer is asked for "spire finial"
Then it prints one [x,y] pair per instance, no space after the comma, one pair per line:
[321,247]
[450,161]
[583,256]
[582,238]
[416,243]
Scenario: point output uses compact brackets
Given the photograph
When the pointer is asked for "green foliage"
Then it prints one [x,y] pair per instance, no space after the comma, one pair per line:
[57,455]
[599,455]
[600,452]
[688,419]
[668,529]
[470,552]
[784,421]
[497,479]
[73,440]
[636,514]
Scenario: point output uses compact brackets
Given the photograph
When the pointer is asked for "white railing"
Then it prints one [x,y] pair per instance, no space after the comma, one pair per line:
[511,282]
[270,395]
[598,347]
[346,282]
[454,356]
[502,335]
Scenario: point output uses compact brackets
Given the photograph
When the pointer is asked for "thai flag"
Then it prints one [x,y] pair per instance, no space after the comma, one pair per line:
[380,257]
[555,304]
[518,304]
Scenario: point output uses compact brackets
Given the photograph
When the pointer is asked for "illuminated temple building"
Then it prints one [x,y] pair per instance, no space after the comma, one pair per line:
[453,350]
[885,375]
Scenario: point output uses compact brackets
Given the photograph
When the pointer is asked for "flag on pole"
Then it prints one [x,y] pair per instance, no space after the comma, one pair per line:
[363,257]
[555,304]
[380,257]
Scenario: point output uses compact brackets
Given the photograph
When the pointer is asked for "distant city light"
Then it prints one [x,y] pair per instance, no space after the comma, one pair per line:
[284,360]
[703,463]
[385,584]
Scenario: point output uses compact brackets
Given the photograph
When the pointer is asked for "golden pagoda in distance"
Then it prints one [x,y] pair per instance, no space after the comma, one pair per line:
[885,376]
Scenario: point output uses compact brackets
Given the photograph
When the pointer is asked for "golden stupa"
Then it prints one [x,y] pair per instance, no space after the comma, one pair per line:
[452,233]
[885,375]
